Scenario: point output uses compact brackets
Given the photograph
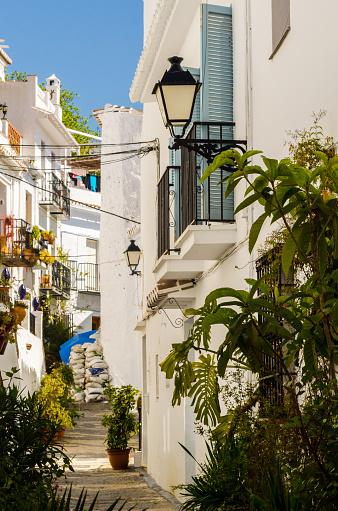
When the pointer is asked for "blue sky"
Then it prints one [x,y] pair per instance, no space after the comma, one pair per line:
[92,46]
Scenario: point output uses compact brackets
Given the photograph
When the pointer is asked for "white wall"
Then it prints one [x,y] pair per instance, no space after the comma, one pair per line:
[120,292]
[84,224]
[270,97]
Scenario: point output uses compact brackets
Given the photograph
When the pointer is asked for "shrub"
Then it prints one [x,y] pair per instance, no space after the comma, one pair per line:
[30,462]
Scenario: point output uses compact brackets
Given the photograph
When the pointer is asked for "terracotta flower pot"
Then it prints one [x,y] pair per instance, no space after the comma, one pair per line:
[19,312]
[118,458]
[27,253]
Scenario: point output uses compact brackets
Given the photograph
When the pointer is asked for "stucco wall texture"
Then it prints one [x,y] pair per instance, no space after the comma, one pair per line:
[120,194]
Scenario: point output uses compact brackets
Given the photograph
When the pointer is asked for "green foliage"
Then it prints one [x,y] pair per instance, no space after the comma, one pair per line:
[54,395]
[57,503]
[72,118]
[298,324]
[121,422]
[18,76]
[220,482]
[55,333]
[30,462]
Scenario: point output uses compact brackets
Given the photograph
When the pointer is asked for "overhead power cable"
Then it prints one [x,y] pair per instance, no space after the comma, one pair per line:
[65,146]
[131,154]
[72,200]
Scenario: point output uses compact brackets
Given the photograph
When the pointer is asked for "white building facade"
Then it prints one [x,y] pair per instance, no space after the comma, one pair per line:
[257,64]
[80,239]
[33,202]
[120,196]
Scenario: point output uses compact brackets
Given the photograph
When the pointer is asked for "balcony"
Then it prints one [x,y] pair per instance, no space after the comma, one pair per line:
[88,280]
[15,248]
[55,197]
[195,222]
[14,137]
[57,282]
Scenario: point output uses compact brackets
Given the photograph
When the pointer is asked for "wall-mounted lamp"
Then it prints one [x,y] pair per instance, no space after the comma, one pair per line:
[176,94]
[4,109]
[132,255]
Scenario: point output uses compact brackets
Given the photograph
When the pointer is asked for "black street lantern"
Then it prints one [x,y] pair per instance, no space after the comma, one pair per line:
[176,95]
[133,254]
[4,109]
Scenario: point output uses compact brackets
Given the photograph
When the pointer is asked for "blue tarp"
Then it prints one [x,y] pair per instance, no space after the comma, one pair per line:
[77,339]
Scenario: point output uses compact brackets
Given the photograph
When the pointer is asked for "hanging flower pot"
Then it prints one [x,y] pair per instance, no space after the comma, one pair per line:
[19,311]
[51,239]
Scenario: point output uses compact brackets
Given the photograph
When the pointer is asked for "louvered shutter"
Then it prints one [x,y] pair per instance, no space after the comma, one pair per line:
[217,98]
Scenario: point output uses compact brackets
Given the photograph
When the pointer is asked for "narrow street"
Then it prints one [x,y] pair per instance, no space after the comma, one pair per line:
[85,446]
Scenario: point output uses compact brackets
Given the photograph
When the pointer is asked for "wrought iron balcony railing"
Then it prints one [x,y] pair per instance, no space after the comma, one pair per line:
[55,196]
[15,242]
[182,201]
[58,281]
[88,279]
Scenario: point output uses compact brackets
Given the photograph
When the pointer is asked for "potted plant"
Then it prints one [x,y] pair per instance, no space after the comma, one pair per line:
[51,237]
[46,257]
[45,235]
[54,395]
[19,310]
[8,327]
[121,424]
[36,234]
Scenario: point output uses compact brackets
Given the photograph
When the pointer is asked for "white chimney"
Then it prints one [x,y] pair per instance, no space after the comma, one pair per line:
[53,85]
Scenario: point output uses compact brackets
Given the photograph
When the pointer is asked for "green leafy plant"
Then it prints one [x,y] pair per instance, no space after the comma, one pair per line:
[54,395]
[36,233]
[21,303]
[30,462]
[295,326]
[220,482]
[57,503]
[121,422]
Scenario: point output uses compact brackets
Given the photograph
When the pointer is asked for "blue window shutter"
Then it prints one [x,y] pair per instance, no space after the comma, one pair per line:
[217,65]
[217,98]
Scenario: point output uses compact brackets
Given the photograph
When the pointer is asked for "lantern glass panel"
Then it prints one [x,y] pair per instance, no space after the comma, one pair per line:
[179,101]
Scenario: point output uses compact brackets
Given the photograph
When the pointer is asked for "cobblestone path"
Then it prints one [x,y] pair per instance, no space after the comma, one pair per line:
[85,446]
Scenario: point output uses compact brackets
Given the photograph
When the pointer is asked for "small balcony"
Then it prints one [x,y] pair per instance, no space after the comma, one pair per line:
[88,280]
[196,222]
[57,281]
[55,197]
[16,243]
[14,137]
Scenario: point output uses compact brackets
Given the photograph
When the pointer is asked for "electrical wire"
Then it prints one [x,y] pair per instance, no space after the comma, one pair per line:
[72,200]
[79,157]
[65,146]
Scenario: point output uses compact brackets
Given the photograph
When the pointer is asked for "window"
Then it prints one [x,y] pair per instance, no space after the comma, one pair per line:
[269,267]
[280,23]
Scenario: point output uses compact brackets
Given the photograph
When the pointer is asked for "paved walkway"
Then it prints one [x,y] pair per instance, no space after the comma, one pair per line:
[92,470]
